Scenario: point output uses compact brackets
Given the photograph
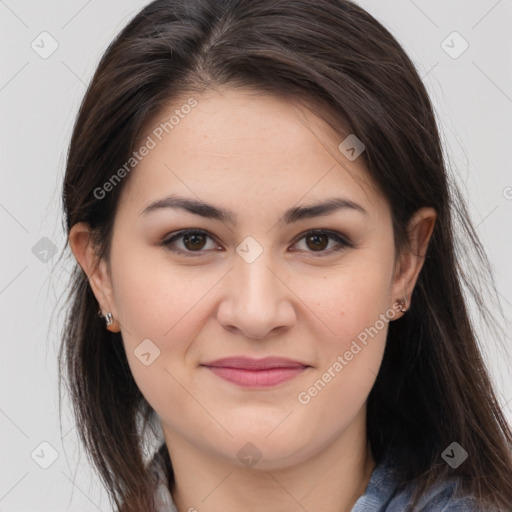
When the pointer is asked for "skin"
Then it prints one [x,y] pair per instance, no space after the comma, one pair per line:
[257,156]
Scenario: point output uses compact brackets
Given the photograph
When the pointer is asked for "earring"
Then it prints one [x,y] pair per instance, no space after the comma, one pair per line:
[109,319]
[403,304]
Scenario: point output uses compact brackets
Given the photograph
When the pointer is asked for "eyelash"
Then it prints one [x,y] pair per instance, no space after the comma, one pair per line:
[341,240]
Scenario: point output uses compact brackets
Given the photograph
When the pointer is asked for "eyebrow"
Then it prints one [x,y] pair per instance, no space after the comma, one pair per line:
[292,215]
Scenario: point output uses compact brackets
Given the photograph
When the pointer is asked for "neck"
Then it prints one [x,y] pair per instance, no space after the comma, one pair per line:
[329,481]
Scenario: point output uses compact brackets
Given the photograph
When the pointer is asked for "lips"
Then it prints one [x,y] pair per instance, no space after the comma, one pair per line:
[246,363]
[248,372]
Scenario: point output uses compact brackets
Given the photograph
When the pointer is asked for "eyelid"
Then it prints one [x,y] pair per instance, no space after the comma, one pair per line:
[342,240]
[333,234]
[179,234]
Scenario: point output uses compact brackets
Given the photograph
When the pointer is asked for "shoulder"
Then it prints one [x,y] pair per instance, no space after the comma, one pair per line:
[441,498]
[384,494]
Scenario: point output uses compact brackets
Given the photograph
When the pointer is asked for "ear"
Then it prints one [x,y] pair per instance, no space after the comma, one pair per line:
[82,245]
[410,262]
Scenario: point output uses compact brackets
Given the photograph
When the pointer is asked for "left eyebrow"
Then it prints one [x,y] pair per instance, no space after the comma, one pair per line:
[320,209]
[292,215]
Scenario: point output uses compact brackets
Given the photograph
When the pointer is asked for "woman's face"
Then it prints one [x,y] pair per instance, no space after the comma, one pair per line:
[255,283]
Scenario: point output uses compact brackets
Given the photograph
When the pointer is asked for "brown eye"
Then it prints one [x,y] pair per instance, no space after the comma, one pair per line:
[317,242]
[194,242]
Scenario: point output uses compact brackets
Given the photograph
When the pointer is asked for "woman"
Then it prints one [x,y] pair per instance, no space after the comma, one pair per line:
[258,204]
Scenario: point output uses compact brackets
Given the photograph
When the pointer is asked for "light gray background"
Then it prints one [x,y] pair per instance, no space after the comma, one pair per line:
[39,98]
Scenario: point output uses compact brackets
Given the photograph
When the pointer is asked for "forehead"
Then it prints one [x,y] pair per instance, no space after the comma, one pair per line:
[241,145]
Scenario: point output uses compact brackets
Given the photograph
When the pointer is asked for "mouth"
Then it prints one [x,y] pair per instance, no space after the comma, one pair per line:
[257,373]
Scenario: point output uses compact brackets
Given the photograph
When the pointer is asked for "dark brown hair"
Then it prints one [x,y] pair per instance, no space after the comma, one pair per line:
[433,387]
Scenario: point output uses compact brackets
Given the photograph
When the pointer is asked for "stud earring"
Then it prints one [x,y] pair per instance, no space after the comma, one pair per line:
[403,304]
[109,319]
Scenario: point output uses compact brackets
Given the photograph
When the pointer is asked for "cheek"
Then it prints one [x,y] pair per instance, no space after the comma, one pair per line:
[354,315]
[162,310]
[348,302]
[149,302]
[155,299]
[349,360]
[160,322]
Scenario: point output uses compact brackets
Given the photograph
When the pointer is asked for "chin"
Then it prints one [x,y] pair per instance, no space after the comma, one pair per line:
[257,450]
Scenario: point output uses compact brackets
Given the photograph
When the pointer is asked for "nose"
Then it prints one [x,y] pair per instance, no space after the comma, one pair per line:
[257,302]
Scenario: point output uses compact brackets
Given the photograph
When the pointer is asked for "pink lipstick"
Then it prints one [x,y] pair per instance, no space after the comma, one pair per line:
[258,373]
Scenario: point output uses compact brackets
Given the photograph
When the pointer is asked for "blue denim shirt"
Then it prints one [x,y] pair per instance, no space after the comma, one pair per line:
[380,494]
